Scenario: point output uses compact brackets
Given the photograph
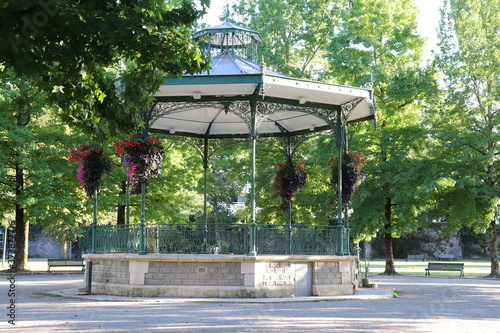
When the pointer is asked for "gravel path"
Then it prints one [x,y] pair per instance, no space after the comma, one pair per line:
[424,304]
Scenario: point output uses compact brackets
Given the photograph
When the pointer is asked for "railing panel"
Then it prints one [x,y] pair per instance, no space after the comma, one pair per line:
[313,240]
[85,241]
[226,237]
[272,239]
[117,238]
[229,238]
[179,239]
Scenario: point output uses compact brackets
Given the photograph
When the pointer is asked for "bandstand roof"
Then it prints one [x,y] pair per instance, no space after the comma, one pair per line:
[217,102]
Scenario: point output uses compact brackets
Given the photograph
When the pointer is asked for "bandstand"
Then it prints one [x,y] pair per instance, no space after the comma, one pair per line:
[239,98]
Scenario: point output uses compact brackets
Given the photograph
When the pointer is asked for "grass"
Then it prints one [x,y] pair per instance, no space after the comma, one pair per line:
[472,268]
[40,265]
[48,295]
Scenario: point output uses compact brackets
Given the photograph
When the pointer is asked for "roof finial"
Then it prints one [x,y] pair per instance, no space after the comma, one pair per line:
[227,11]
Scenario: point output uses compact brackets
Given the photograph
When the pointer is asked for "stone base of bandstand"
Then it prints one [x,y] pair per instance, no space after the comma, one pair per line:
[221,276]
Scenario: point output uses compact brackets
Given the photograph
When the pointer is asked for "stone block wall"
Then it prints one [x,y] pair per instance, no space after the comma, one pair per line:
[236,276]
[327,273]
[110,271]
[194,274]
[333,278]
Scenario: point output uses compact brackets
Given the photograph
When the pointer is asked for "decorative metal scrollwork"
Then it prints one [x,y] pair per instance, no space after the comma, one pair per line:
[349,106]
[161,109]
[242,110]
[268,108]
[368,85]
[263,88]
[264,110]
[291,142]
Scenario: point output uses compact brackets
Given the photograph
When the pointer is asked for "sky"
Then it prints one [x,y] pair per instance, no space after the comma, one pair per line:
[428,21]
[428,18]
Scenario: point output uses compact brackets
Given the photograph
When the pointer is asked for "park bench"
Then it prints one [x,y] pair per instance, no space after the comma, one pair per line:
[65,263]
[415,257]
[445,266]
[447,257]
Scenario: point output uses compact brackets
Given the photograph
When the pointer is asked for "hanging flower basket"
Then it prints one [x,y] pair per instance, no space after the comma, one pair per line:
[353,175]
[142,159]
[93,163]
[289,180]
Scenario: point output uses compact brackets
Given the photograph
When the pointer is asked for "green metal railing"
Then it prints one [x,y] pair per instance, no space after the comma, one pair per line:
[198,238]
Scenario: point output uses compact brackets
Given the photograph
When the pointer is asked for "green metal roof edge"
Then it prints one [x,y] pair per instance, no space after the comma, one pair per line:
[246,78]
[190,99]
[214,79]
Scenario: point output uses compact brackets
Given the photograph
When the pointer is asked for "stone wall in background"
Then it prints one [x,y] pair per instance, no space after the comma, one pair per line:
[44,247]
[433,243]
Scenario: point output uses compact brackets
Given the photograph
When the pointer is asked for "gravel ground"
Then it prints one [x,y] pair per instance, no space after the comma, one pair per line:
[423,304]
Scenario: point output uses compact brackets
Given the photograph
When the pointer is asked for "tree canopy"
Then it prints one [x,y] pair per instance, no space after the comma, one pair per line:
[100,61]
[378,44]
[295,32]
[467,123]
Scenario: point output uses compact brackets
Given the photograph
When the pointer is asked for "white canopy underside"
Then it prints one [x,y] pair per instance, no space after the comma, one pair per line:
[196,104]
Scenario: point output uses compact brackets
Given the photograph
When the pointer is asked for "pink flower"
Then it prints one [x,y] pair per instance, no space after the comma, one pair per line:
[130,170]
[80,175]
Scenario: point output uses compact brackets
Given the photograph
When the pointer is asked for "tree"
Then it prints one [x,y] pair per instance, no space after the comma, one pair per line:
[101,62]
[33,176]
[226,174]
[294,32]
[469,58]
[378,44]
[173,197]
[78,51]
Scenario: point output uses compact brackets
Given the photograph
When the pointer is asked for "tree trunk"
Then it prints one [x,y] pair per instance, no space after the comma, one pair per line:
[120,214]
[390,268]
[64,243]
[495,271]
[21,256]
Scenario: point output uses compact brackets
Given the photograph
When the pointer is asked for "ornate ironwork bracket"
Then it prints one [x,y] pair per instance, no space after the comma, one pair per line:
[160,109]
[291,142]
